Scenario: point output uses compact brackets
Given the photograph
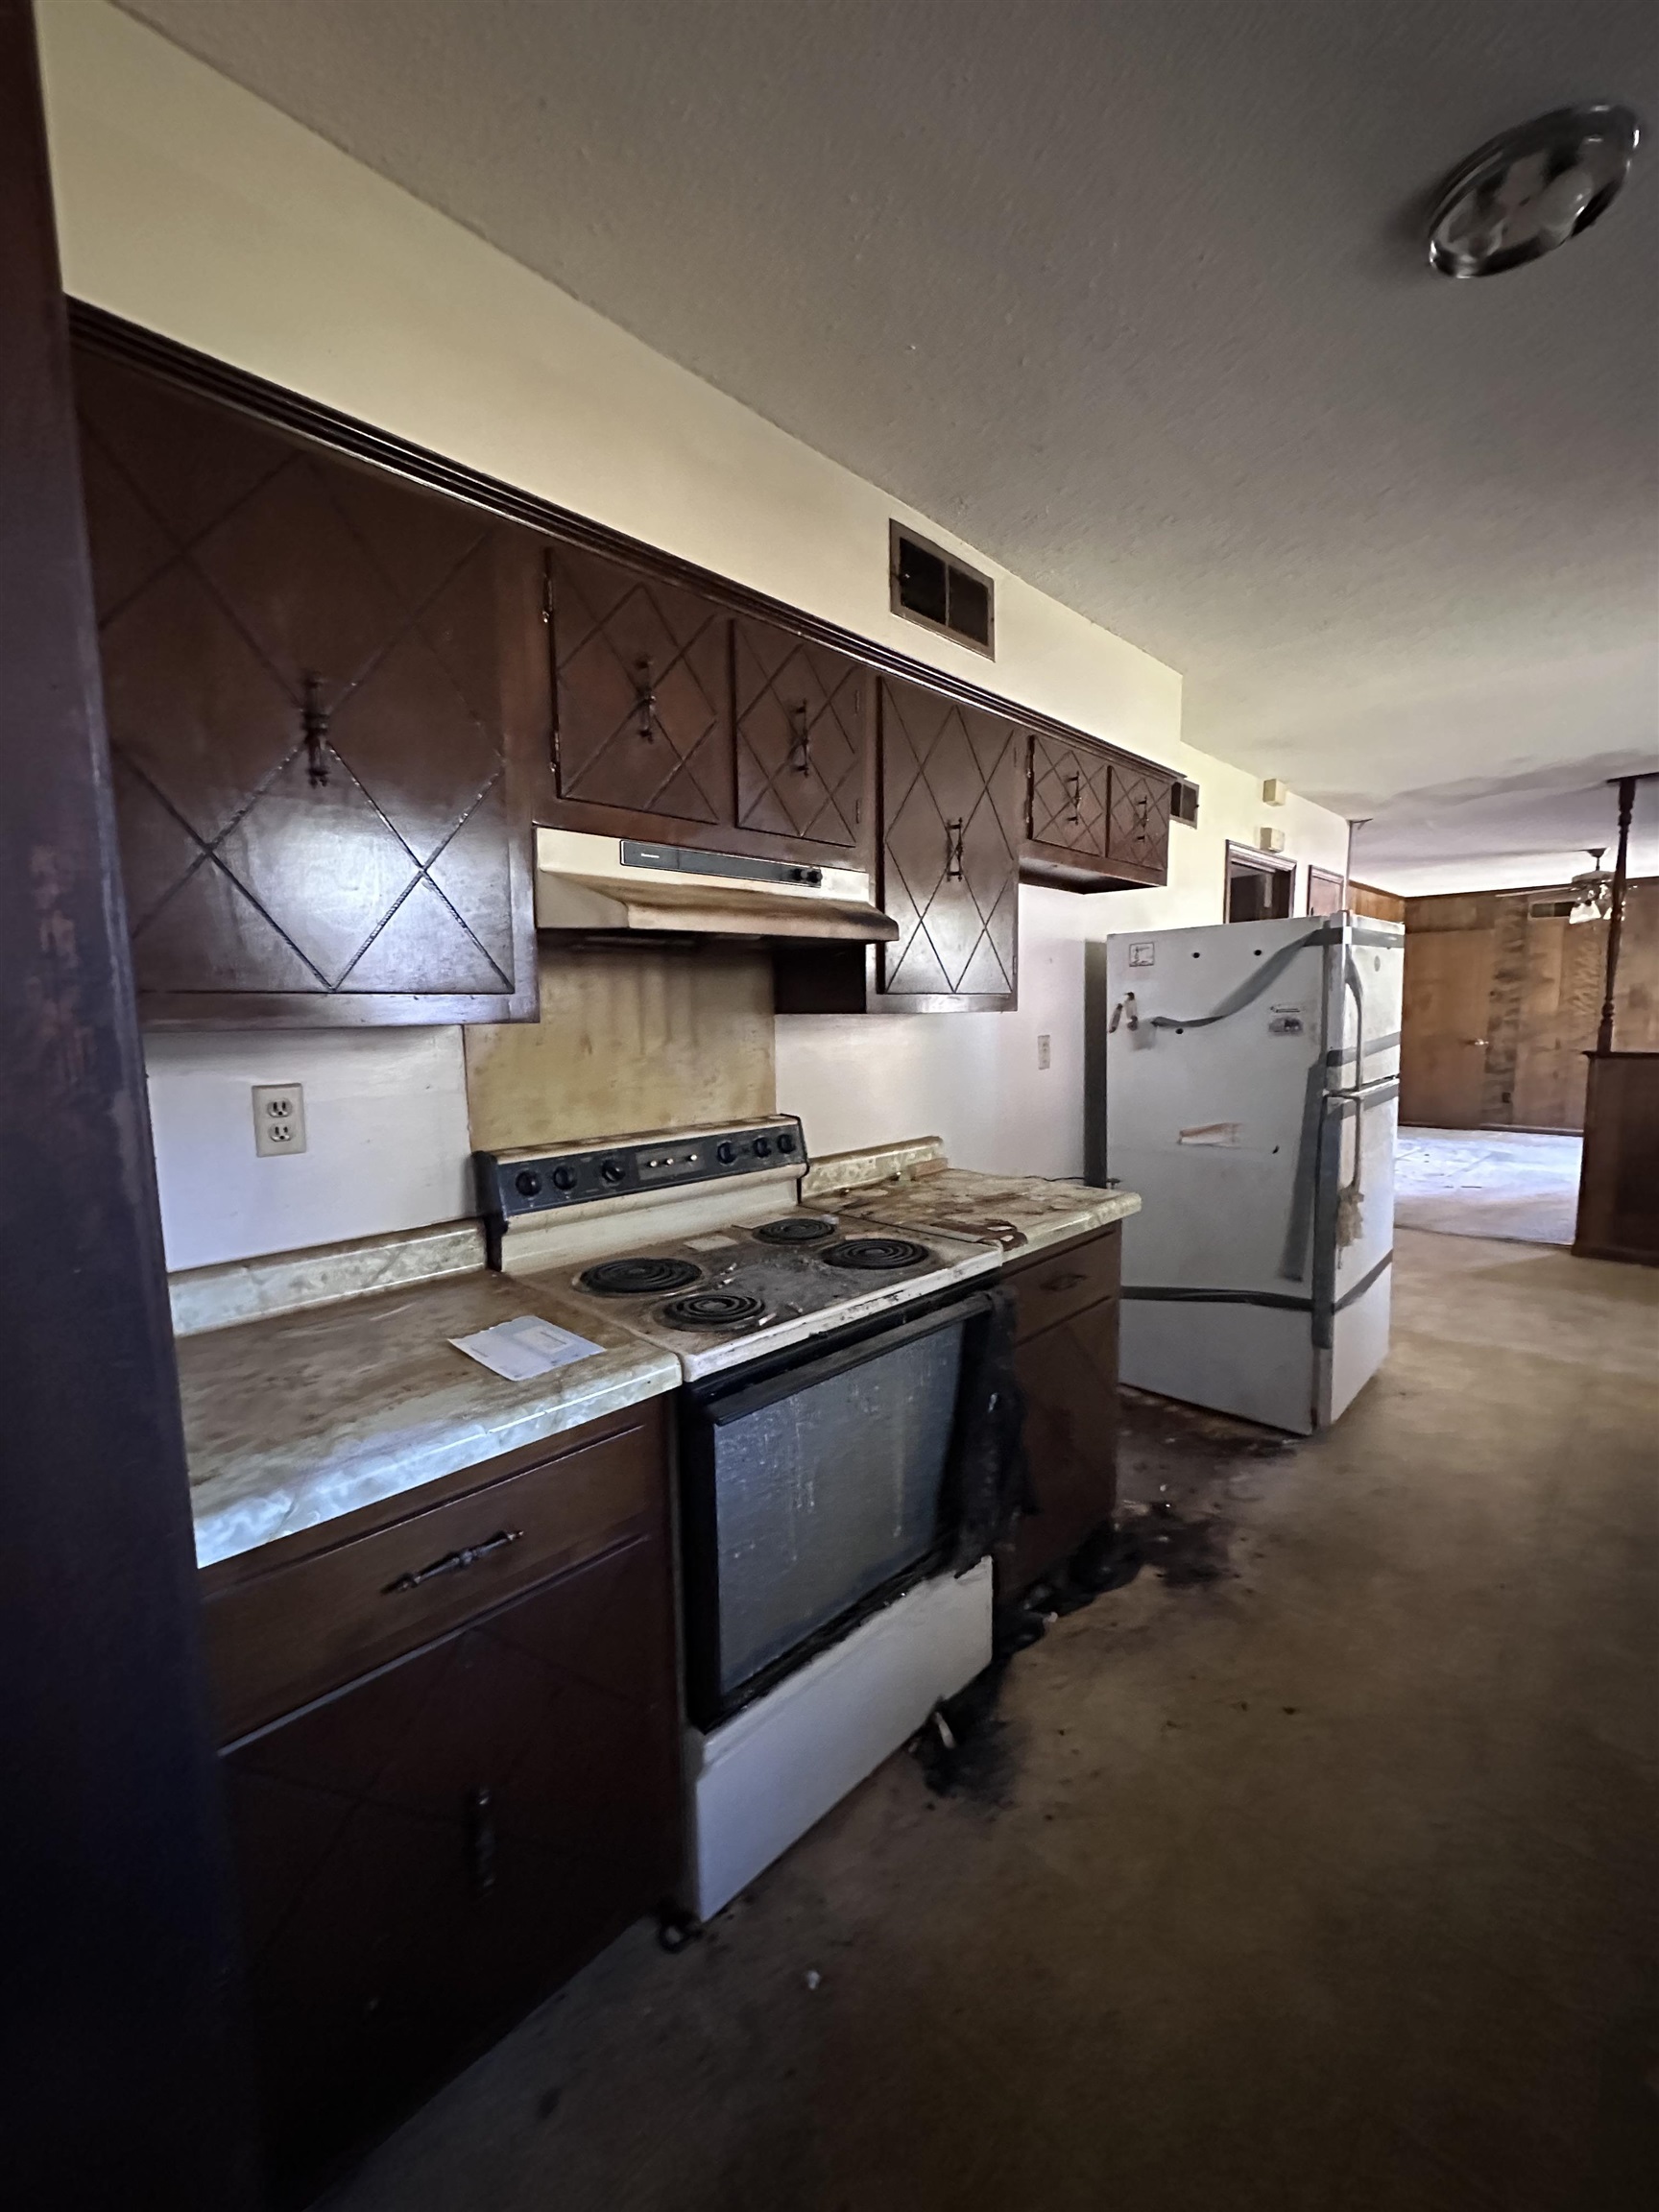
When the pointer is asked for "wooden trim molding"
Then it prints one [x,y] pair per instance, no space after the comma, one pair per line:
[200,373]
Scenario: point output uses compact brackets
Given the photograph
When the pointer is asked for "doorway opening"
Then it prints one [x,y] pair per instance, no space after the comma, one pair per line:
[1260,888]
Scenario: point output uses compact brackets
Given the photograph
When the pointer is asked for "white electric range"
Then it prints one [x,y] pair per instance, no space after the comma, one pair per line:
[828,1369]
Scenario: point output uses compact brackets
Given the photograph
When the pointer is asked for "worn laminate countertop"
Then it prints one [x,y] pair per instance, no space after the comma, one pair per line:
[909,1187]
[297,1418]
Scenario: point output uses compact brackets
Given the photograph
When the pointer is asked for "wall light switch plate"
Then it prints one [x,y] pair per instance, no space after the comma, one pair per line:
[279,1119]
[1045,1052]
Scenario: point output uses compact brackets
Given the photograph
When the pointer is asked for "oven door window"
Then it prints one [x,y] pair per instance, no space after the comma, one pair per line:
[814,1497]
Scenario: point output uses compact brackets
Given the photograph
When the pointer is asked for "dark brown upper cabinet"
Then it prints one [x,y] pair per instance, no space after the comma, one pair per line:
[951,780]
[677,719]
[323,721]
[1138,822]
[952,791]
[642,694]
[804,716]
[1094,820]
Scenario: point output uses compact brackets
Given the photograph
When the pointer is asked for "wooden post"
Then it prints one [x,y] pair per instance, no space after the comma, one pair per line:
[122,2082]
[1616,920]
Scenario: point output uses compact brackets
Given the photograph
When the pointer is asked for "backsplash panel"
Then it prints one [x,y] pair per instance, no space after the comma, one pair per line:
[642,1035]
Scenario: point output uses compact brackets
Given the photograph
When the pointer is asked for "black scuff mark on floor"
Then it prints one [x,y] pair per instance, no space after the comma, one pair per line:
[1182,1475]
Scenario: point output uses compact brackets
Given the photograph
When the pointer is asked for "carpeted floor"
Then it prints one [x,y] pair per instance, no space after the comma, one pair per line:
[1508,1183]
[1314,1873]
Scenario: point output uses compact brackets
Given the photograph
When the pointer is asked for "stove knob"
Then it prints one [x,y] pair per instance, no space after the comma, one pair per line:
[613,1171]
[527,1182]
[563,1178]
[762,1146]
[786,1143]
[725,1153]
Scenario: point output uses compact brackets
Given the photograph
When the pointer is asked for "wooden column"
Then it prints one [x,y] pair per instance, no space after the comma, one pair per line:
[1618,1178]
[121,2086]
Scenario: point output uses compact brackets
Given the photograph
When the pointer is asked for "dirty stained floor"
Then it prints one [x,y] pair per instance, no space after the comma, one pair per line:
[1314,1872]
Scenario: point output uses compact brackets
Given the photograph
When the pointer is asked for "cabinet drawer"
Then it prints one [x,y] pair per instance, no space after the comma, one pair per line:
[279,1639]
[1054,1284]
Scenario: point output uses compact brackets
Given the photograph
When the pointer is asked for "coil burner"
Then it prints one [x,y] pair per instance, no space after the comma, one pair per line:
[713,1309]
[797,1229]
[637,1278]
[876,1252]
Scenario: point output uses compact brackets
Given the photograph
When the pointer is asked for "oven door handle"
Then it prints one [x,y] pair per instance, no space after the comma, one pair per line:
[743,1402]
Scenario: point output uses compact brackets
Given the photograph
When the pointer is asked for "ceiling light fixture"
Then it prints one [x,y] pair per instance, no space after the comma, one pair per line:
[1530,190]
[1593,891]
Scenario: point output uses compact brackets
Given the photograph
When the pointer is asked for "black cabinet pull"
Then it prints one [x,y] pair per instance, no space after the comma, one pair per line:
[645,701]
[953,852]
[1074,796]
[452,1562]
[314,721]
[802,739]
[1063,1281]
[481,1840]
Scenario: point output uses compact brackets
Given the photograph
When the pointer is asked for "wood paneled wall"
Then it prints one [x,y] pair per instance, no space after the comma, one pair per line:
[1501,1002]
[1380,905]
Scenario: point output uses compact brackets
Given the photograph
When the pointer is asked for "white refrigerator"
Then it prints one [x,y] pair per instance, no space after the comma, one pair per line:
[1244,1079]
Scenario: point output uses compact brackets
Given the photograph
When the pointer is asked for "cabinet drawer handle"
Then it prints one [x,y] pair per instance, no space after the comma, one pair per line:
[954,852]
[452,1562]
[1063,1281]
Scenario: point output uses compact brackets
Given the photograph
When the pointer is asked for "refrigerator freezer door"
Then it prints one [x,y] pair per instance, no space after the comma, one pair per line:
[1356,1240]
[1364,980]
[1215,1079]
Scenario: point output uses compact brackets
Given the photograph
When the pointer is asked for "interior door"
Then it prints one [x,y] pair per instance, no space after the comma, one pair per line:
[1447,987]
[952,795]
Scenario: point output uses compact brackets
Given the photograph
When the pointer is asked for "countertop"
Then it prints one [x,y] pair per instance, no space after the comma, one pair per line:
[1020,1213]
[293,1419]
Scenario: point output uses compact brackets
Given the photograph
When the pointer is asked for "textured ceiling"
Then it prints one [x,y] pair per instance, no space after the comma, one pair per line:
[1128,293]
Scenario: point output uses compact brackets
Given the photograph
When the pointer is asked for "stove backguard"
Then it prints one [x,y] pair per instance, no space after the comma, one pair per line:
[813,1485]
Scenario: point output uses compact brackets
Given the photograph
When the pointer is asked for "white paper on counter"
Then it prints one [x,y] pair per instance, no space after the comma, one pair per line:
[518,1350]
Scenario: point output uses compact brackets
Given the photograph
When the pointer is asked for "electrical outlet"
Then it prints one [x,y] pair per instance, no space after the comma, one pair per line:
[279,1119]
[1045,1052]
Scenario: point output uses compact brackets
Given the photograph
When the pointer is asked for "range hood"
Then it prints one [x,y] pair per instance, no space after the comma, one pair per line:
[606,885]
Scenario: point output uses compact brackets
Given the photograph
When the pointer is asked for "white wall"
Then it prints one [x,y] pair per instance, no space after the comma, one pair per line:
[385,1126]
[188,205]
[973,1078]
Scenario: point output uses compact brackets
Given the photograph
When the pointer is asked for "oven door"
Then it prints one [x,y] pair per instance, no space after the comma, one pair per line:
[813,1486]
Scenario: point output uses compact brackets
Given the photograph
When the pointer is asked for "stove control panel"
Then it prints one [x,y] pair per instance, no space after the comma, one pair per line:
[513,1183]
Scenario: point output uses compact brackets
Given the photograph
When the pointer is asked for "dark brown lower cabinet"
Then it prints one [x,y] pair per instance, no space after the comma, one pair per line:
[427,1851]
[1066,1359]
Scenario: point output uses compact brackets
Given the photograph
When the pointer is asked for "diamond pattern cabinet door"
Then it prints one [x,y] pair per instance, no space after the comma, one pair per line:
[321,788]
[642,692]
[1068,1375]
[1066,806]
[803,715]
[952,803]
[393,1918]
[1138,824]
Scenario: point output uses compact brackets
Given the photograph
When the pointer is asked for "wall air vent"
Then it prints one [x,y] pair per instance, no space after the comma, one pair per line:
[934,588]
[1184,802]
